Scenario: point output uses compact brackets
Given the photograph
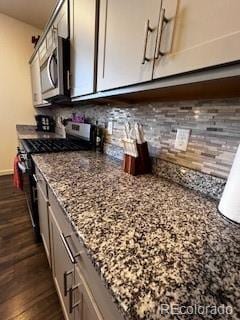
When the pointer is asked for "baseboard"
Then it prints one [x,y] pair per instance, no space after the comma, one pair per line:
[6,172]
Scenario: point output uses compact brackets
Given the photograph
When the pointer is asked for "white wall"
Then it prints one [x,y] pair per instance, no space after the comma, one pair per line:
[15,85]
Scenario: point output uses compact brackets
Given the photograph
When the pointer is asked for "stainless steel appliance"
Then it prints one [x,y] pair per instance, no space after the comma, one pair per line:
[79,138]
[54,71]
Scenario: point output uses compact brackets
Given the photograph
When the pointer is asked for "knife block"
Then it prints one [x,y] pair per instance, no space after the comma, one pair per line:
[139,165]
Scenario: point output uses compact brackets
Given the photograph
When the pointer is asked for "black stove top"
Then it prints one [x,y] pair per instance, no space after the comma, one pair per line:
[54,145]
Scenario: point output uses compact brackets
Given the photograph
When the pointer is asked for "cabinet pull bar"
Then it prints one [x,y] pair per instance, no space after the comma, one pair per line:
[147,30]
[35,178]
[65,275]
[71,257]
[73,305]
[162,20]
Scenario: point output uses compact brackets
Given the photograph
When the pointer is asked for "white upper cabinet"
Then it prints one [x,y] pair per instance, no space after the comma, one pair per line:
[182,35]
[51,38]
[82,45]
[127,39]
[42,51]
[199,34]
[36,81]
[60,23]
[116,44]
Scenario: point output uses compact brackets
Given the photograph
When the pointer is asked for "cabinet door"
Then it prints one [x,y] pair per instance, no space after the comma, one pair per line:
[51,38]
[127,39]
[61,21]
[82,39]
[82,301]
[206,33]
[36,81]
[63,269]
[42,51]
[44,221]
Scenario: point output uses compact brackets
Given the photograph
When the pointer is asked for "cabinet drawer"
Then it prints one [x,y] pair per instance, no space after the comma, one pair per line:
[62,220]
[94,282]
[41,182]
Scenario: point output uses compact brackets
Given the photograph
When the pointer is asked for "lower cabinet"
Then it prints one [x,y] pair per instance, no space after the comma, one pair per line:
[85,307]
[81,291]
[75,297]
[62,266]
[43,217]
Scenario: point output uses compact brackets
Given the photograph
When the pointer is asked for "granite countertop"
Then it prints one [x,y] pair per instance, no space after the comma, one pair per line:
[29,132]
[153,241]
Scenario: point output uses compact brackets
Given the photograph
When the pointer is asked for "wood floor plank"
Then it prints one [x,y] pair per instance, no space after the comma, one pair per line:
[42,310]
[27,290]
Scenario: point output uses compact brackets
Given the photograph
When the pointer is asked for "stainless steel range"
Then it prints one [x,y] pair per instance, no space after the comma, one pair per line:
[79,137]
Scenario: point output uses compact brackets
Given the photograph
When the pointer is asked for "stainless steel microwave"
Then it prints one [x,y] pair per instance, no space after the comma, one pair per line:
[54,72]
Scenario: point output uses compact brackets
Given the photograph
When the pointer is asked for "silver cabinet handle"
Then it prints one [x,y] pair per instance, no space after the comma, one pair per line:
[65,275]
[73,305]
[147,30]
[35,178]
[162,20]
[72,256]
[67,248]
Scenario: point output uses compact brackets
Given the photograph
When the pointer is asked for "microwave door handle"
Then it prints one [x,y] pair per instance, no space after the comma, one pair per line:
[49,71]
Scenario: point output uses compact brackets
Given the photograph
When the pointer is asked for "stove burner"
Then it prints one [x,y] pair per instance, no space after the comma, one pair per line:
[55,145]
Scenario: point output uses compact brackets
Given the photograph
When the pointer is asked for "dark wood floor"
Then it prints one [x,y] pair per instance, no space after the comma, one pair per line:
[26,287]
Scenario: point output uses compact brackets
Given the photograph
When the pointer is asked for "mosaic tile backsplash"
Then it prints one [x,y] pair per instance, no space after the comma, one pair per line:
[214,124]
[206,184]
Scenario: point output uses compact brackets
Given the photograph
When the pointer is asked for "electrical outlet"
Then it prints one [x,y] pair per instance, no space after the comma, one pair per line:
[182,139]
[110,127]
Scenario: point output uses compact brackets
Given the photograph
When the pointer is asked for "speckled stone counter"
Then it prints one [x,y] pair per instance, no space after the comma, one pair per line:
[152,241]
[29,132]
